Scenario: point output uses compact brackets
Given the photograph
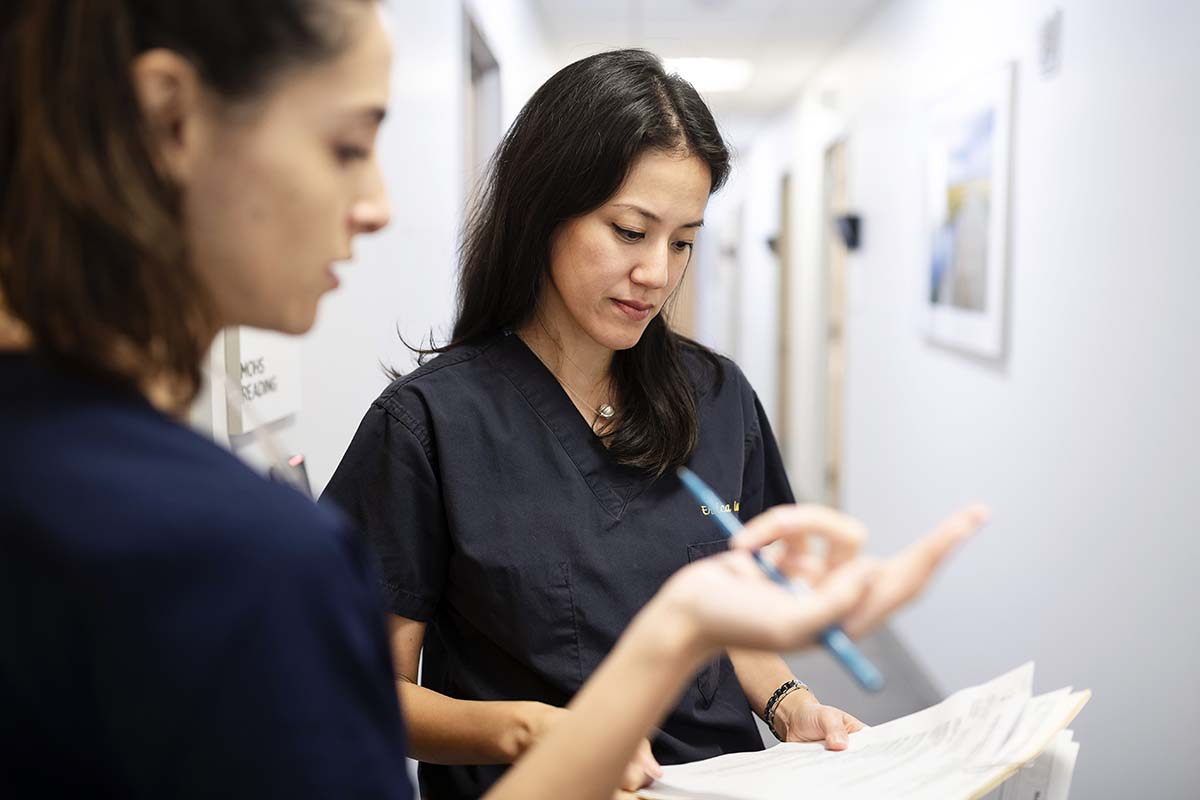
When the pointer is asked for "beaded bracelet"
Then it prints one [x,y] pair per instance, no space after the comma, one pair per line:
[777,698]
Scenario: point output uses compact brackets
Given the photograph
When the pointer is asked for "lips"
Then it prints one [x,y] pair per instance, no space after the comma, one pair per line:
[632,309]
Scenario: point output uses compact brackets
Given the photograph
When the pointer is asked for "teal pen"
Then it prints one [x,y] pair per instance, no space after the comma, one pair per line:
[834,638]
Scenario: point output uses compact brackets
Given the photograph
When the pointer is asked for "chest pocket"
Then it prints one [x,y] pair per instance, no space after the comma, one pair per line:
[709,678]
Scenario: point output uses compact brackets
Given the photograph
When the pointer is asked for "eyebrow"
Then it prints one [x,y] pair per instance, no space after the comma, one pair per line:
[373,114]
[655,218]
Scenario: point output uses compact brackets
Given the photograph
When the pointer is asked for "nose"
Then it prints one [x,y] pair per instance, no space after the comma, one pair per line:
[654,269]
[369,217]
[371,213]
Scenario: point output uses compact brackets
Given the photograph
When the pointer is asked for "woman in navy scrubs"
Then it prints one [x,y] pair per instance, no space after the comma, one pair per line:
[518,488]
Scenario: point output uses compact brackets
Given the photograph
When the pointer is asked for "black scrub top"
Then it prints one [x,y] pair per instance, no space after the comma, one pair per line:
[502,522]
[171,624]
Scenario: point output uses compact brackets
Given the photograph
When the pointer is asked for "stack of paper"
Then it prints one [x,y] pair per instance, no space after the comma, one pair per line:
[964,747]
[1048,777]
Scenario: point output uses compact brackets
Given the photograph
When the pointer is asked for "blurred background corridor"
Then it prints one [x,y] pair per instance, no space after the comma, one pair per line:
[823,270]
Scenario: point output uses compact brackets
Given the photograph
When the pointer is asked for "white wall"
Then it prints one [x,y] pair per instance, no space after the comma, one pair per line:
[751,204]
[404,278]
[1085,438]
[518,41]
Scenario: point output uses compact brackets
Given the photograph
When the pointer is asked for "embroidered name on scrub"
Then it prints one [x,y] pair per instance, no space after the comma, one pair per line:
[734,507]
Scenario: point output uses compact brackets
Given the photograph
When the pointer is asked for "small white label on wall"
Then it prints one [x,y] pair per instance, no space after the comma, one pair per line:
[1050,44]
[265,368]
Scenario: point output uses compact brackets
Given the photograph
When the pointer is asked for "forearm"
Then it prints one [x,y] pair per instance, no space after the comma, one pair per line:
[445,730]
[631,691]
[760,673]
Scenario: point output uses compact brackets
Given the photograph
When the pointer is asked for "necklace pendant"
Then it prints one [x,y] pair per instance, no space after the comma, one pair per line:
[606,411]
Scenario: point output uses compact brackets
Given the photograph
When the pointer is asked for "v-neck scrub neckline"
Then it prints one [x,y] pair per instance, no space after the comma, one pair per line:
[613,484]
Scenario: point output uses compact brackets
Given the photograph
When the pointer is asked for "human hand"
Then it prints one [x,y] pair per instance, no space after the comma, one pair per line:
[538,718]
[800,717]
[728,602]
[896,581]
[903,577]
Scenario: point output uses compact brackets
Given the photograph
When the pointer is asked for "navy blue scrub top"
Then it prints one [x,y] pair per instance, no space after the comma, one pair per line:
[171,624]
[503,523]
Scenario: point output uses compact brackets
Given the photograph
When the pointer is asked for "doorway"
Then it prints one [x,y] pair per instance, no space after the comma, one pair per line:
[781,245]
[482,115]
[835,257]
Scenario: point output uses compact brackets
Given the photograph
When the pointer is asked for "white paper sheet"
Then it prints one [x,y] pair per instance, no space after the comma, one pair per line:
[1047,777]
[963,747]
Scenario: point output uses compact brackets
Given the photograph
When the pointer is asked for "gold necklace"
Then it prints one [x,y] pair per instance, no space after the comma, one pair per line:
[605,410]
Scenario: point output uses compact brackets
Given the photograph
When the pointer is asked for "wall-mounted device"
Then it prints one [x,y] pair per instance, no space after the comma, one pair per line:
[850,229]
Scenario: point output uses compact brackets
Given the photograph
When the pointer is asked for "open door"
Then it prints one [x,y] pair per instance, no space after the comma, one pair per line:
[782,245]
[482,117]
[836,257]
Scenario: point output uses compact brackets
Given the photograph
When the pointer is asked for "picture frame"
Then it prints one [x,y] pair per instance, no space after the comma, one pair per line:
[967,193]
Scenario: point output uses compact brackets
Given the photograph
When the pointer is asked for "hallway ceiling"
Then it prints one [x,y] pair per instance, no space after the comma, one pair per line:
[785,40]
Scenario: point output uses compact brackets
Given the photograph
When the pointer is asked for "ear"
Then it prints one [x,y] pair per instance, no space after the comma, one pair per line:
[168,90]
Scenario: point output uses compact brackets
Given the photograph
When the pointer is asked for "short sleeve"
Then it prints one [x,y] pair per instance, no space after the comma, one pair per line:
[764,481]
[244,660]
[387,483]
[297,697]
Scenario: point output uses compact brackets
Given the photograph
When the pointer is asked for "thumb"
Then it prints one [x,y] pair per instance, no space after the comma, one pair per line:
[649,762]
[634,777]
[642,770]
[833,723]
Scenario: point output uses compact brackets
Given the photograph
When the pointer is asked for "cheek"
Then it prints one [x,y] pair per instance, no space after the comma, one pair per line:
[258,222]
[294,206]
[223,223]
[586,269]
[679,268]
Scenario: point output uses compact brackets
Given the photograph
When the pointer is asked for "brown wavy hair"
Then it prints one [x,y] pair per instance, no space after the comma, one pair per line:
[93,260]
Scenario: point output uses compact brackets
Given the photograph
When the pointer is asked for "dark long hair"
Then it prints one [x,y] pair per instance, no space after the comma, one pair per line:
[566,154]
[92,255]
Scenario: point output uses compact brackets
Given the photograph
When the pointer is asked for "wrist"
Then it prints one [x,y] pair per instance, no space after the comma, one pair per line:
[789,708]
[523,722]
[666,631]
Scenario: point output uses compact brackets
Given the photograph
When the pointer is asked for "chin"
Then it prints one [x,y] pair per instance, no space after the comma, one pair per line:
[303,326]
[619,339]
[295,321]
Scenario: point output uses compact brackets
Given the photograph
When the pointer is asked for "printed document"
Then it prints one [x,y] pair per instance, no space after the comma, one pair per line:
[964,747]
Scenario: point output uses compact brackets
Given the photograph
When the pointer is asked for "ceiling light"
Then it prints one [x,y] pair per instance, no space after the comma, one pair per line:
[713,74]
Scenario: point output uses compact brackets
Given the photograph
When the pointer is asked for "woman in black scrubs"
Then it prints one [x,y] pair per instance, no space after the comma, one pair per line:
[518,488]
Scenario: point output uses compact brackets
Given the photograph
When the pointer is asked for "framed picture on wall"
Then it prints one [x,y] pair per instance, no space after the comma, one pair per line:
[968,153]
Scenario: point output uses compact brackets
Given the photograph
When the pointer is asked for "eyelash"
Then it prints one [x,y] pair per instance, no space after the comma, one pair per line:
[347,153]
[636,236]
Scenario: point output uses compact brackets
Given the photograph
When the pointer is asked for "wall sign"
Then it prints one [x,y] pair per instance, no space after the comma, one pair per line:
[265,369]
